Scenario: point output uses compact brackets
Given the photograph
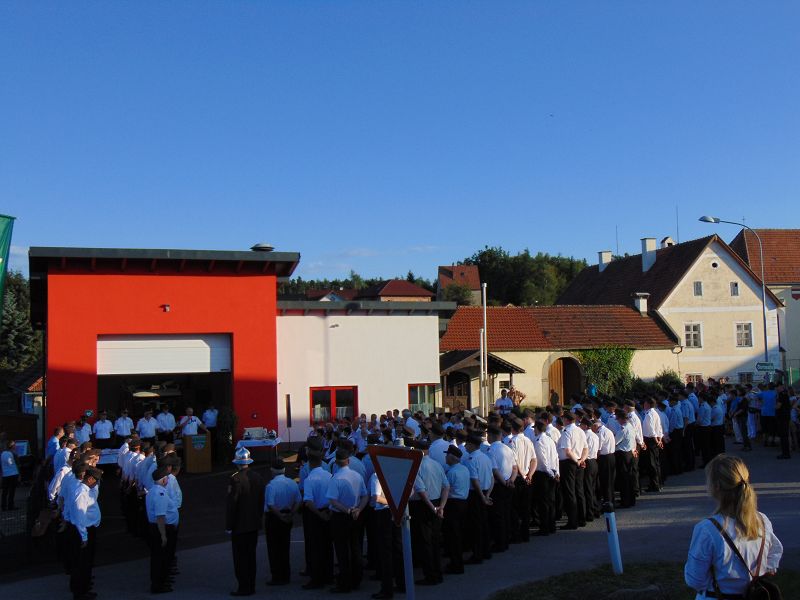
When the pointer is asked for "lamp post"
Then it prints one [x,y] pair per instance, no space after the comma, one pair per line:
[716,220]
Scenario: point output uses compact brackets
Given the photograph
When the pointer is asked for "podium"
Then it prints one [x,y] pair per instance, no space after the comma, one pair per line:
[197,453]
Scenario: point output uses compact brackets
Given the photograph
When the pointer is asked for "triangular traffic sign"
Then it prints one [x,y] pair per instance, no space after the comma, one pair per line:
[396,468]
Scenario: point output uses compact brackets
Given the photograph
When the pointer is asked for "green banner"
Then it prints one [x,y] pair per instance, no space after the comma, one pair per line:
[6,227]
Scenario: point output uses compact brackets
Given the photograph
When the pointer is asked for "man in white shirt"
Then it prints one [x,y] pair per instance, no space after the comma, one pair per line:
[633,418]
[606,463]
[189,424]
[503,405]
[102,431]
[410,423]
[166,424]
[525,457]
[162,516]
[439,445]
[209,418]
[123,426]
[504,468]
[83,431]
[572,451]
[652,433]
[545,479]
[85,518]
[591,500]
[147,427]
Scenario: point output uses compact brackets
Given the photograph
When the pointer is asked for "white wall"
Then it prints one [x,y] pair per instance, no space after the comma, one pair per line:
[380,354]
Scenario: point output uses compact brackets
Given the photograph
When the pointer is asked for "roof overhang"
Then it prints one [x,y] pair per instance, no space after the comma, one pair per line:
[362,307]
[456,360]
[45,260]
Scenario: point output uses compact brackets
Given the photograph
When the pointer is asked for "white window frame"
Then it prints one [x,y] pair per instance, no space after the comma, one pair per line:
[734,286]
[694,378]
[747,375]
[694,289]
[736,333]
[685,340]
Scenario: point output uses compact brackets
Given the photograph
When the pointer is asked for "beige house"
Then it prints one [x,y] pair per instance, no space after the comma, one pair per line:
[533,348]
[782,276]
[704,292]
[466,275]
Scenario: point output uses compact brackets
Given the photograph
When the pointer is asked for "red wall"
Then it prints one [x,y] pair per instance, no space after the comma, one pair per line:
[83,306]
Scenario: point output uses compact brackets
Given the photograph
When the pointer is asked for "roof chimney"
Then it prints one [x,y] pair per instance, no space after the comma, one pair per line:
[640,301]
[603,259]
[648,253]
[667,242]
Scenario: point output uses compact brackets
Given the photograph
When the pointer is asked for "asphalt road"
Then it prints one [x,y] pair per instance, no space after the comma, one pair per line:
[657,529]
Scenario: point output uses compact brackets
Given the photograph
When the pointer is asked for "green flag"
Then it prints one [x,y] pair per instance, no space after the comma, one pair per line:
[6,227]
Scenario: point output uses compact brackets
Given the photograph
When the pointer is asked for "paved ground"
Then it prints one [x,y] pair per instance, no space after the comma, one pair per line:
[658,529]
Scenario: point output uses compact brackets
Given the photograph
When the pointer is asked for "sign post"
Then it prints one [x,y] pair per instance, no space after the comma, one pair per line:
[396,468]
[765,367]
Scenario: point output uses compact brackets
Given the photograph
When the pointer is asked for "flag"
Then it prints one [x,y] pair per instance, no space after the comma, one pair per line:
[6,227]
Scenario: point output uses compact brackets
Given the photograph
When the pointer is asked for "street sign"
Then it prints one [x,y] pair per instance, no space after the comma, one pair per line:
[765,366]
[396,468]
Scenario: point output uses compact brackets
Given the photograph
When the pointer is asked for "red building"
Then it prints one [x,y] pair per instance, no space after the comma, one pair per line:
[131,328]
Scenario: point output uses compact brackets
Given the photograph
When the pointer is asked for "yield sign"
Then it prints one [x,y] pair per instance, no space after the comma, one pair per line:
[396,468]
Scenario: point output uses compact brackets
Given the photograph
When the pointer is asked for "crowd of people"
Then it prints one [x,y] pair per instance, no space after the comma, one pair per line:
[150,496]
[483,484]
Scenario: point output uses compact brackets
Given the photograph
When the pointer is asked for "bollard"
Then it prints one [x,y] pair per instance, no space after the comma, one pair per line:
[613,538]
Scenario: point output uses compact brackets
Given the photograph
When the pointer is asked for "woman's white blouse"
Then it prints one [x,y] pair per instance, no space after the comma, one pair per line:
[708,548]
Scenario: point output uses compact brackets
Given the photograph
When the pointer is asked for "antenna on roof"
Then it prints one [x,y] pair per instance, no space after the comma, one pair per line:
[616,235]
[677,225]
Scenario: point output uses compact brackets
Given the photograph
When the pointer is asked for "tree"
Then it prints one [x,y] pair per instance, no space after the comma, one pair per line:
[20,346]
[458,293]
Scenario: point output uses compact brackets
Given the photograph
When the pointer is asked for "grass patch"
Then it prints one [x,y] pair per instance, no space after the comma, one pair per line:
[599,582]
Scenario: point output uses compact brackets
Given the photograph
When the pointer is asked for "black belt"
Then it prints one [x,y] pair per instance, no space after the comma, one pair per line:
[724,596]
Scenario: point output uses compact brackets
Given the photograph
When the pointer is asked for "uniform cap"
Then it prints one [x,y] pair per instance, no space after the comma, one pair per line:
[242,457]
[455,451]
[278,464]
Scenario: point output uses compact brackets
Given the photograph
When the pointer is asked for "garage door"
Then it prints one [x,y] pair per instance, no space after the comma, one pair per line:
[135,354]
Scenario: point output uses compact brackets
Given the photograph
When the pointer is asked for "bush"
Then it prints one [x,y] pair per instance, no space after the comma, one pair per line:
[668,379]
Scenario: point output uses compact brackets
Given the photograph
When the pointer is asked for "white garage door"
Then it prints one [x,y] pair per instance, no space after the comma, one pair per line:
[132,354]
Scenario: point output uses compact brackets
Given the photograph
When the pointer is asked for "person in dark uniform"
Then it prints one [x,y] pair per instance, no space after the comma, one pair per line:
[456,510]
[281,501]
[162,516]
[243,520]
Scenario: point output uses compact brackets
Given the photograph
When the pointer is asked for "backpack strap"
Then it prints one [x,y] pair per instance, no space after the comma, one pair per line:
[735,550]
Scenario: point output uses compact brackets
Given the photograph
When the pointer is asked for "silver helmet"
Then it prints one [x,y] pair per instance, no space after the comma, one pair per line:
[242,456]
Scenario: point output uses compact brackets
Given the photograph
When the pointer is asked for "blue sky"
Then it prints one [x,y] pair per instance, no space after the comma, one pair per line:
[387,136]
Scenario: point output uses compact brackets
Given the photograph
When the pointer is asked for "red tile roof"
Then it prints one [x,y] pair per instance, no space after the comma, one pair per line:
[467,275]
[395,287]
[781,252]
[549,328]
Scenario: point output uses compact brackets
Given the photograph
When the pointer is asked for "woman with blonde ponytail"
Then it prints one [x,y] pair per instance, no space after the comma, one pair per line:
[713,569]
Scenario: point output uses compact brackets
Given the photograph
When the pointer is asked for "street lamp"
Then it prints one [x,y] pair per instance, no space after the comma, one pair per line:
[716,220]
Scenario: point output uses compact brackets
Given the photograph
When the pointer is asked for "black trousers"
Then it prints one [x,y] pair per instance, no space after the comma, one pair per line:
[455,515]
[688,447]
[783,427]
[703,436]
[278,533]
[607,473]
[717,439]
[544,494]
[674,452]
[9,490]
[742,420]
[427,543]
[244,560]
[635,474]
[522,510]
[580,495]
[388,550]
[347,545]
[569,469]
[498,516]
[317,535]
[651,460]
[81,559]
[624,466]
[159,555]
[590,489]
[479,526]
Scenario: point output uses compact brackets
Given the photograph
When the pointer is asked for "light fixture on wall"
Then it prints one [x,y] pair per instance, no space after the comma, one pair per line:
[165,307]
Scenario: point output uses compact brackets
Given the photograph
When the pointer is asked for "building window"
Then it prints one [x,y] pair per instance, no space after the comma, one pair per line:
[734,288]
[745,378]
[505,384]
[694,378]
[698,288]
[744,335]
[333,403]
[421,397]
[693,335]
